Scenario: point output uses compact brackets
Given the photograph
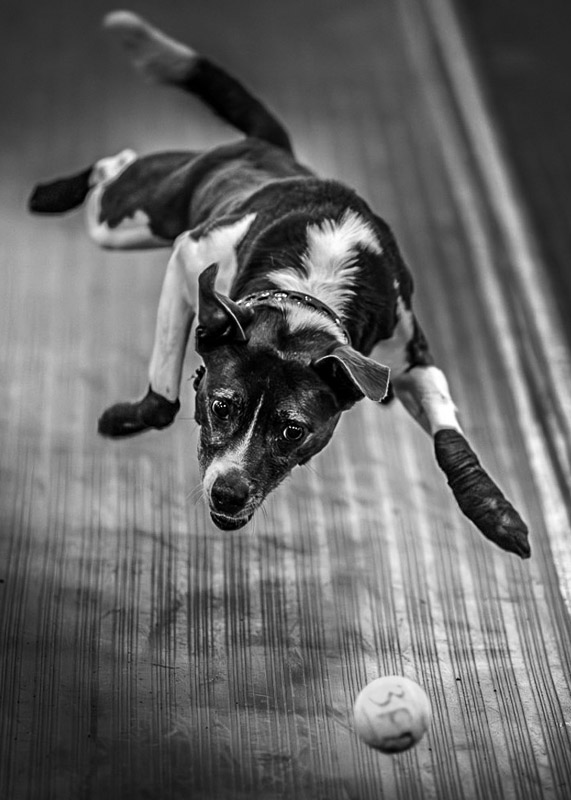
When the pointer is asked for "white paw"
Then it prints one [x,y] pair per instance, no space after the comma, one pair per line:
[106,169]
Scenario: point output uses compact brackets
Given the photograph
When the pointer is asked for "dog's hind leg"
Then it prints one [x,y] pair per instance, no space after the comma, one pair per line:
[65,194]
[113,213]
[130,202]
[94,187]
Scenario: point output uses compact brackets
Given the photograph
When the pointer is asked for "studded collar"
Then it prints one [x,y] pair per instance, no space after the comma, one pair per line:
[277,297]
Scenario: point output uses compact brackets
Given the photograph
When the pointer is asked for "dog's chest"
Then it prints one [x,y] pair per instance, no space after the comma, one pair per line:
[328,264]
[336,258]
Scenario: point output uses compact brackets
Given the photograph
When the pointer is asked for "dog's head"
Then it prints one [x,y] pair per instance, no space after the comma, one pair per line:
[268,399]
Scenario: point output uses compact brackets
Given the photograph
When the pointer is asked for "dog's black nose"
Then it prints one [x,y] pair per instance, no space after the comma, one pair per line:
[229,493]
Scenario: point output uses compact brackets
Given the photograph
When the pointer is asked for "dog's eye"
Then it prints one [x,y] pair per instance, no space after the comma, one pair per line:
[293,433]
[221,409]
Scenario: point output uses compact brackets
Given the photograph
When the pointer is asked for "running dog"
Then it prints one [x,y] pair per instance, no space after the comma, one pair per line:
[302,297]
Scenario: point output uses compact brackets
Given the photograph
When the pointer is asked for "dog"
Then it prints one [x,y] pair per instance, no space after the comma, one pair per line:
[303,300]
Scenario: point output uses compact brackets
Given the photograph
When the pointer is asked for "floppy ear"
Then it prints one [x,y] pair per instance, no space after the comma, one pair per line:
[220,320]
[353,376]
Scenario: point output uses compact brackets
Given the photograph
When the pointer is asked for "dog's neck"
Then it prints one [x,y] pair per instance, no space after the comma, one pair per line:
[300,307]
[326,260]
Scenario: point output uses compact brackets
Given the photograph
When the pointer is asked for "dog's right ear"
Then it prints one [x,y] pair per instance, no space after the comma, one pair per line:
[220,319]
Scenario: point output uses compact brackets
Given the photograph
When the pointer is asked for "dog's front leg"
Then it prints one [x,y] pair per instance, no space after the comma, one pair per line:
[424,392]
[177,308]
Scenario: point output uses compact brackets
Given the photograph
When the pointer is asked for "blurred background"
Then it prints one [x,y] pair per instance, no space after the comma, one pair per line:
[524,62]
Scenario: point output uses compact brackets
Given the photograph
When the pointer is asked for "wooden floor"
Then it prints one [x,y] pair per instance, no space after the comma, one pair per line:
[146,654]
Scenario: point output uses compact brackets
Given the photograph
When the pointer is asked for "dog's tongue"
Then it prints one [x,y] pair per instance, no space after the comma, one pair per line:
[229,523]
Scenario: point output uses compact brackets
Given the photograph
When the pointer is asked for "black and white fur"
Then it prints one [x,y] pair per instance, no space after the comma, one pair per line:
[246,219]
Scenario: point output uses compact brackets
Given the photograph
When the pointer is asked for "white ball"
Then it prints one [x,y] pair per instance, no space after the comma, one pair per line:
[392,713]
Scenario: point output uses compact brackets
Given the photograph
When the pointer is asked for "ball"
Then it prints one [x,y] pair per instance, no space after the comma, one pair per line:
[392,713]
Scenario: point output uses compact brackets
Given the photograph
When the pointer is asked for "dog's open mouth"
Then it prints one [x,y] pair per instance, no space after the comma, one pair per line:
[226,523]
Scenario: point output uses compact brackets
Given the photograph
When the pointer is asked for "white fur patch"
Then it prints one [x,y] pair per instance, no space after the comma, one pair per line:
[107,169]
[425,394]
[132,232]
[330,260]
[218,246]
[179,298]
[393,351]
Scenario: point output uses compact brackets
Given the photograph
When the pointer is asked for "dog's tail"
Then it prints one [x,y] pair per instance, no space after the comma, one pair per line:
[171,62]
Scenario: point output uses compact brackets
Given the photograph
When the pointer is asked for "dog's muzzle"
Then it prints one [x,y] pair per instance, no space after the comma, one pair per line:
[229,497]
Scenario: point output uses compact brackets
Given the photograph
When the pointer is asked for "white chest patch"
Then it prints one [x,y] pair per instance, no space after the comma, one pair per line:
[330,260]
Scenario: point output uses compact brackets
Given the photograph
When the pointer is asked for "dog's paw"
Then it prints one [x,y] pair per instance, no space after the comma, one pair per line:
[61,195]
[128,419]
[478,496]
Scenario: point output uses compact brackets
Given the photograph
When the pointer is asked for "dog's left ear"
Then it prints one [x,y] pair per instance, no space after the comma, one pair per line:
[353,376]
[220,319]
